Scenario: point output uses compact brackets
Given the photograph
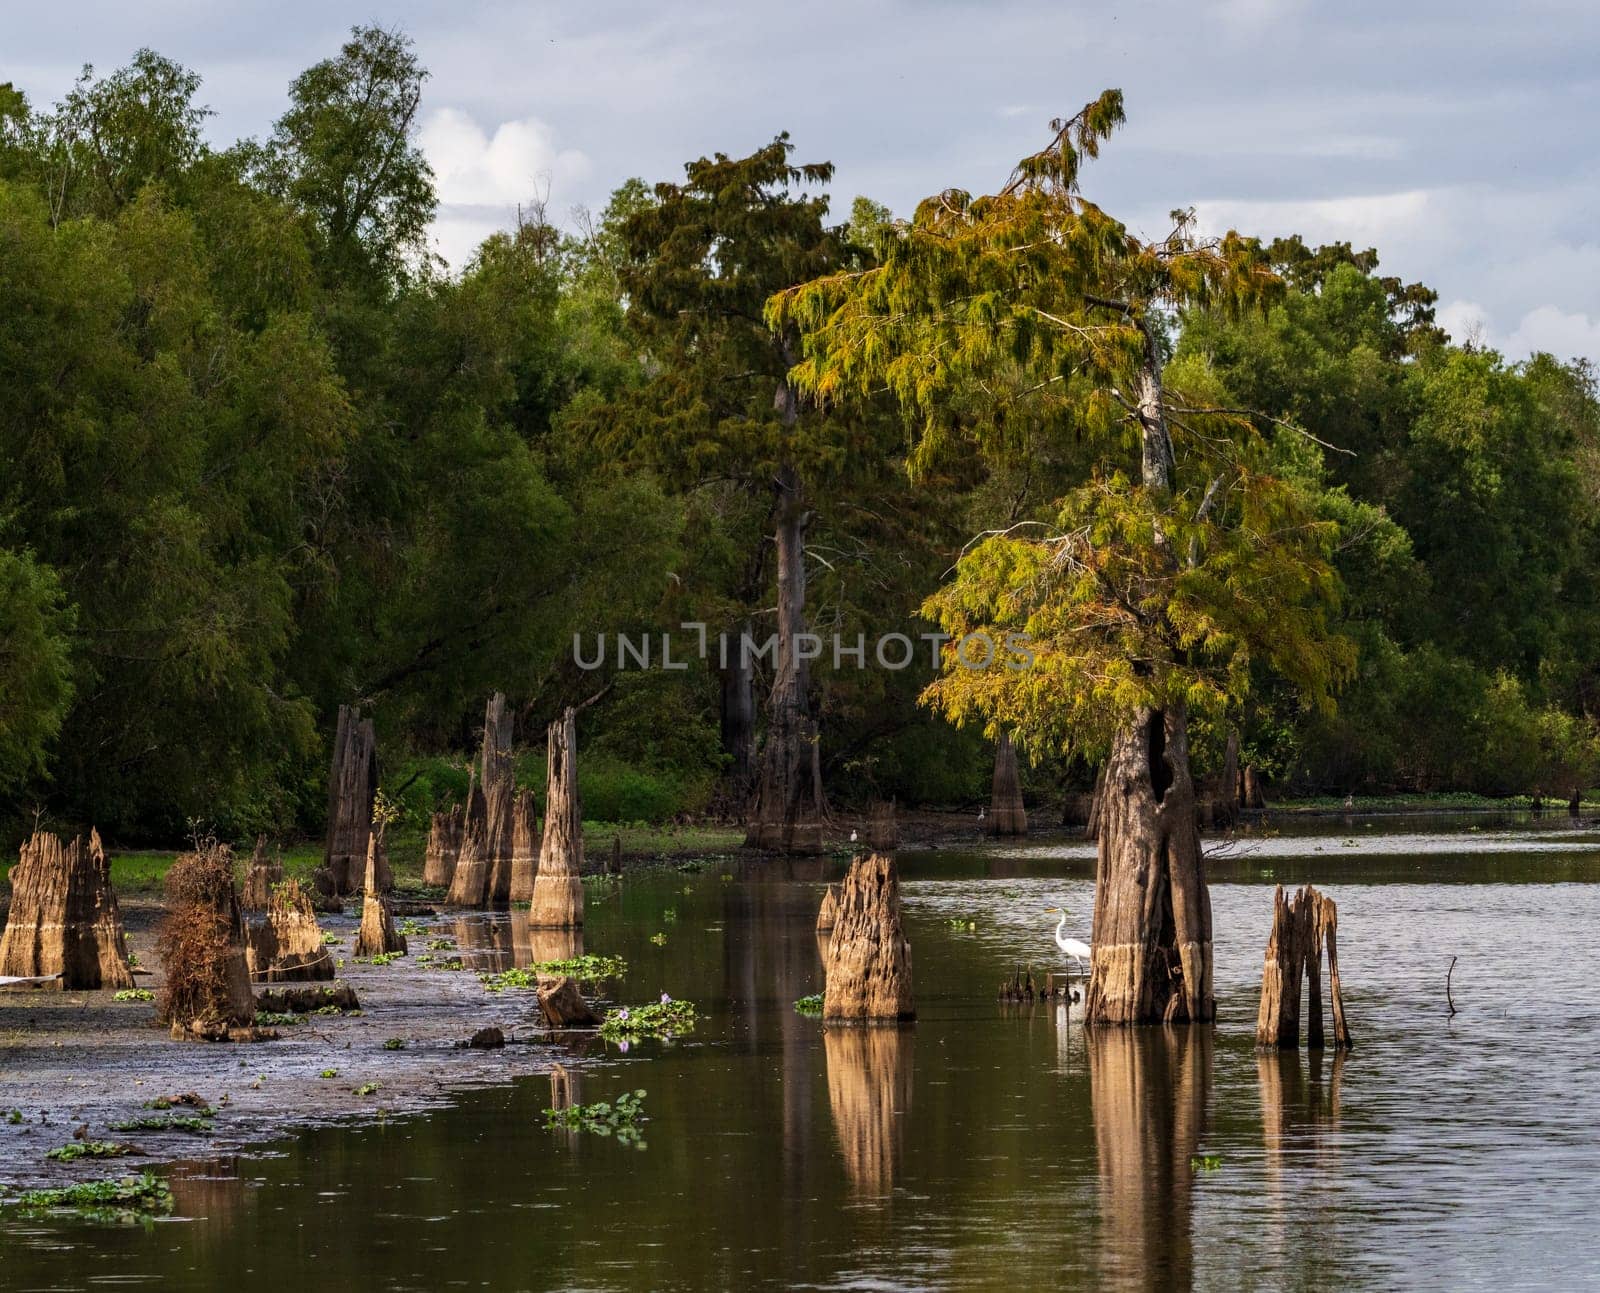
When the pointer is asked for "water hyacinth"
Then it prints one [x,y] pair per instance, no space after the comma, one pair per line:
[664,1019]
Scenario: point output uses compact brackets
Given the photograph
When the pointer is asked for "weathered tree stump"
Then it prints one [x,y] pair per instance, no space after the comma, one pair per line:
[1007,815]
[469,886]
[1230,787]
[829,911]
[64,917]
[287,946]
[263,874]
[1300,926]
[557,889]
[1254,795]
[1152,959]
[201,946]
[352,787]
[524,847]
[444,847]
[378,934]
[868,964]
[561,1004]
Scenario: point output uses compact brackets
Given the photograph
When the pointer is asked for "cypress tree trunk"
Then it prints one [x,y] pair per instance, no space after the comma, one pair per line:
[739,719]
[784,815]
[1152,909]
[1007,814]
[352,786]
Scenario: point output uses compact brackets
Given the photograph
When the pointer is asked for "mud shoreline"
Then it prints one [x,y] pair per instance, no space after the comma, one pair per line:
[71,1060]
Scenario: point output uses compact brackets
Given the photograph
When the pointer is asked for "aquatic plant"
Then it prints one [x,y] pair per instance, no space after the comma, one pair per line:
[810,1005]
[133,1196]
[328,1073]
[187,1100]
[585,969]
[1205,1162]
[172,1122]
[367,1088]
[15,1116]
[379,958]
[133,994]
[961,925]
[76,1149]
[277,1019]
[665,1018]
[411,926]
[395,1044]
[660,940]
[620,1118]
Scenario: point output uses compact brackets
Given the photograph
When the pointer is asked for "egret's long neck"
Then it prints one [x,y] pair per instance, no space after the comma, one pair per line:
[1061,929]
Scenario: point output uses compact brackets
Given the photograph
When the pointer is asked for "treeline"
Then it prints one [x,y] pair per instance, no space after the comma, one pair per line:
[261,455]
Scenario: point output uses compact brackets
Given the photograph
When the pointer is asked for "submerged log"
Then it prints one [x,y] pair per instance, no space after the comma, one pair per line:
[264,873]
[1300,926]
[557,889]
[1007,815]
[305,1001]
[287,946]
[561,1003]
[352,787]
[828,914]
[201,946]
[64,917]
[444,847]
[378,935]
[868,964]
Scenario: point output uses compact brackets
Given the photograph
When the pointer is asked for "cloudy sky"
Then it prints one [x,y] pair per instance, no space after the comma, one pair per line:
[1458,138]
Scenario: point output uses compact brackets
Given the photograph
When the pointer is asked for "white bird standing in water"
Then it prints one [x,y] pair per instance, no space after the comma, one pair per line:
[852,837]
[1072,947]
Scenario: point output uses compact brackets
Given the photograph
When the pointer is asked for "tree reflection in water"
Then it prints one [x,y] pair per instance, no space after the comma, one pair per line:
[869,1091]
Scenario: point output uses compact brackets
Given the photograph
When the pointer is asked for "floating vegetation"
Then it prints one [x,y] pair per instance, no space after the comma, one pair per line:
[14,1117]
[586,969]
[961,926]
[441,945]
[811,1006]
[277,1019]
[670,915]
[620,1118]
[660,940]
[379,958]
[412,927]
[331,940]
[395,1044]
[1205,1162]
[133,994]
[367,1088]
[328,1073]
[188,1100]
[171,1122]
[665,1019]
[74,1150]
[129,1199]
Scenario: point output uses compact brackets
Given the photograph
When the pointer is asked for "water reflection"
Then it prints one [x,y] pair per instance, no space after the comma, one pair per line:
[505,941]
[1149,1090]
[869,1090]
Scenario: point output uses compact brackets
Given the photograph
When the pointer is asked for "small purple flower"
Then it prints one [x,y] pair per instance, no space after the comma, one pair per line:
[623,1013]
[665,999]
[622,1046]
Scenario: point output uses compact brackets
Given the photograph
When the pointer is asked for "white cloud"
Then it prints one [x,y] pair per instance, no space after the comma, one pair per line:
[481,178]
[1565,334]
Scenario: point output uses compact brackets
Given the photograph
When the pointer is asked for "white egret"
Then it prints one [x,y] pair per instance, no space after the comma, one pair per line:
[1072,947]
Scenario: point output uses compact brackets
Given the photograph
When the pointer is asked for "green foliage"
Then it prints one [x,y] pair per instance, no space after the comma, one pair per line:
[76,1149]
[133,1196]
[665,1018]
[171,1122]
[620,1118]
[133,994]
[588,968]
[35,664]
[810,1006]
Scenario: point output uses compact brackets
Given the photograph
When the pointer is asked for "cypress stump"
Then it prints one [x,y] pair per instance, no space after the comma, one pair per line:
[64,917]
[557,890]
[868,964]
[444,847]
[378,934]
[1301,925]
[287,946]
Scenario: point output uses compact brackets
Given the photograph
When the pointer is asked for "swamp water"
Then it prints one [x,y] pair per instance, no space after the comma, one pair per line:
[989,1146]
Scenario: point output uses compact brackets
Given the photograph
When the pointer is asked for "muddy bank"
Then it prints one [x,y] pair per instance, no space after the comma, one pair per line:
[71,1060]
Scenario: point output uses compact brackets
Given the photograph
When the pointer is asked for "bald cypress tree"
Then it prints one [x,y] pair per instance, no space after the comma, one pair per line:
[1155,586]
[702,259]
